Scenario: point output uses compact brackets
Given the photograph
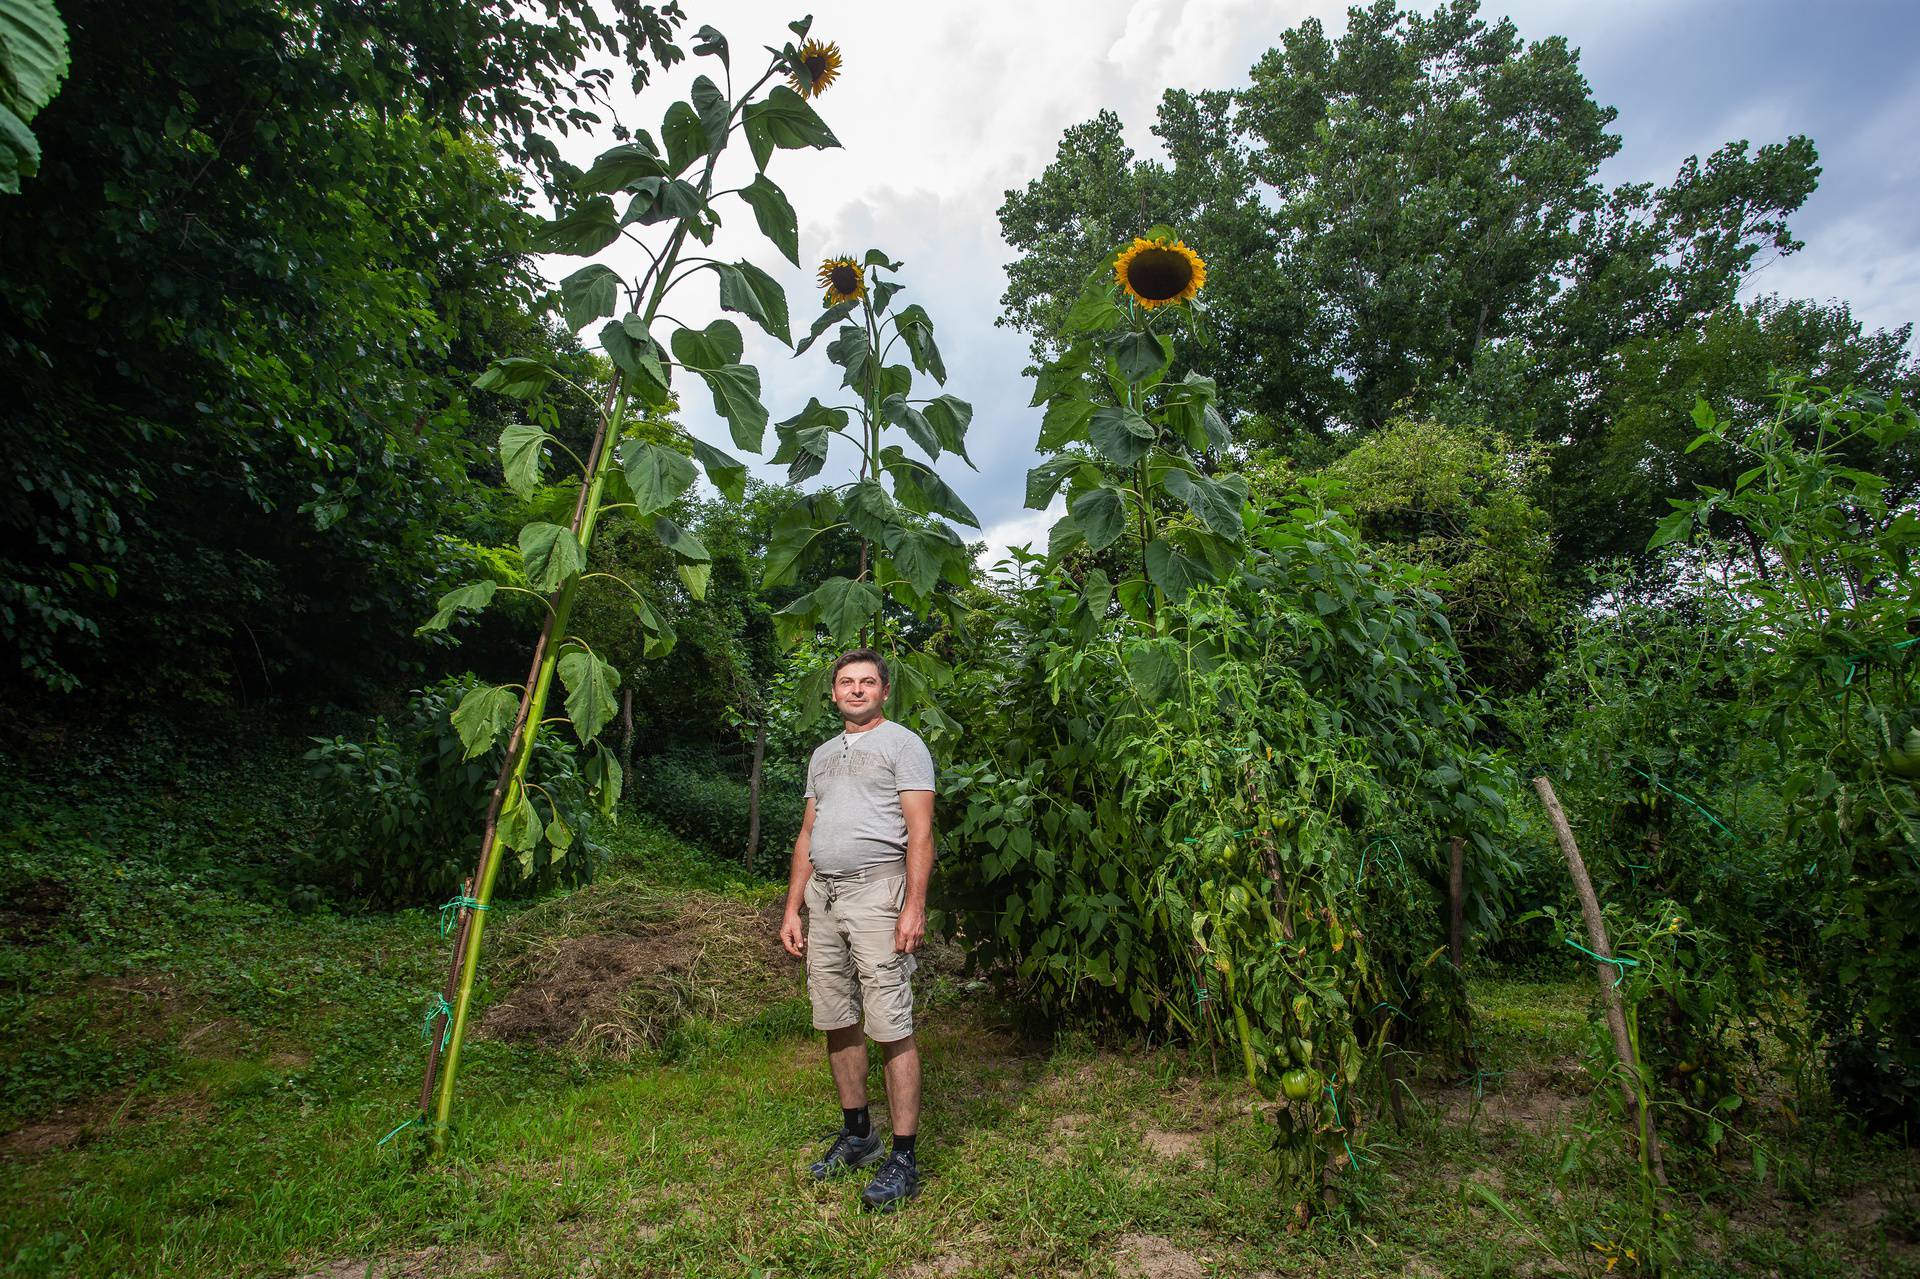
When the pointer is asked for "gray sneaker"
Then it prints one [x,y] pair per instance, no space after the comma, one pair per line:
[847,1153]
[897,1181]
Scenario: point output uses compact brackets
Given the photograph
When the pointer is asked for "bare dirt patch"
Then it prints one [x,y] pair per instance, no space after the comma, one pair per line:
[1179,1147]
[71,1127]
[423,1263]
[1151,1257]
[616,967]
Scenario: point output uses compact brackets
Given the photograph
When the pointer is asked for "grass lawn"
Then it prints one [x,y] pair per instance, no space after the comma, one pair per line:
[205,1097]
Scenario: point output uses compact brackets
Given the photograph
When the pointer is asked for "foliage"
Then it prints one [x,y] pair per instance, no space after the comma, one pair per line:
[400,808]
[896,506]
[699,797]
[33,61]
[1229,825]
[1463,502]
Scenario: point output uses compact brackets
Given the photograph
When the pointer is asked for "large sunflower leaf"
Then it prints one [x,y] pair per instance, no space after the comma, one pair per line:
[1139,355]
[1101,514]
[841,605]
[656,475]
[590,683]
[870,511]
[19,151]
[659,631]
[851,350]
[1094,311]
[472,597]
[33,55]
[923,492]
[713,347]
[1065,422]
[709,43]
[826,320]
[550,554]
[783,120]
[1062,377]
[727,473]
[1120,433]
[483,714]
[803,450]
[747,289]
[896,411]
[583,230]
[1065,535]
[1044,480]
[1173,570]
[696,577]
[714,110]
[619,168]
[918,555]
[736,397]
[680,541]
[637,355]
[794,533]
[520,455]
[684,135]
[517,376]
[519,825]
[1217,505]
[915,327]
[775,215]
[950,416]
[588,294]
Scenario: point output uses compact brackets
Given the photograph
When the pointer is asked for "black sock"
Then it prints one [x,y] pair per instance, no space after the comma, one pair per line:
[859,1122]
[903,1145]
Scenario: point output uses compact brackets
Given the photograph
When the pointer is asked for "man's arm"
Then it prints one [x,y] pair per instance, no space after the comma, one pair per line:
[798,874]
[917,807]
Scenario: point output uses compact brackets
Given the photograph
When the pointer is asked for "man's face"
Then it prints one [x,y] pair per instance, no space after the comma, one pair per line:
[858,693]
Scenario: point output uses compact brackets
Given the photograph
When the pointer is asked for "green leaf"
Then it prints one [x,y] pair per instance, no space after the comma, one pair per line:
[713,347]
[923,492]
[520,456]
[827,319]
[841,605]
[583,230]
[684,135]
[950,416]
[637,355]
[604,779]
[1063,377]
[472,597]
[736,397]
[550,554]
[656,475]
[803,450]
[1677,526]
[1153,668]
[516,376]
[33,55]
[1101,514]
[483,714]
[783,120]
[1217,506]
[727,473]
[1139,355]
[589,293]
[774,214]
[918,555]
[1172,570]
[1065,422]
[1120,433]
[714,110]
[895,411]
[1064,536]
[915,327]
[870,511]
[1093,311]
[709,43]
[1044,480]
[747,289]
[696,576]
[559,834]
[852,352]
[793,534]
[519,825]
[680,541]
[590,683]
[619,168]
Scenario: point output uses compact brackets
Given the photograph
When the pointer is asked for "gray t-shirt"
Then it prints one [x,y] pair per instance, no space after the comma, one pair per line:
[855,781]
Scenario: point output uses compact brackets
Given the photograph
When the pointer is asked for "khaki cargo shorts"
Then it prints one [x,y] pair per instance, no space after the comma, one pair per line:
[851,963]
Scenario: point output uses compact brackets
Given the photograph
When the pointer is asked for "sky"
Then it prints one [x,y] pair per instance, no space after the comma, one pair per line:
[942,107]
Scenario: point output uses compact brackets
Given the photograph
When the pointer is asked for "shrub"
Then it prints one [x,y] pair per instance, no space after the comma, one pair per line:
[698,796]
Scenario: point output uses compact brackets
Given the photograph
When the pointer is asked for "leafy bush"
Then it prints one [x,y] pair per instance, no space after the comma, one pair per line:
[699,797]
[403,809]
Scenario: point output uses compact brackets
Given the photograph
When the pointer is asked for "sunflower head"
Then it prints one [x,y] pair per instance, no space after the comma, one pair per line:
[843,279]
[815,67]
[1159,271]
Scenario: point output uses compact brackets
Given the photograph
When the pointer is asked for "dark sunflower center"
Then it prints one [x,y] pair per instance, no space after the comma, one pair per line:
[1159,274]
[816,66]
[845,280]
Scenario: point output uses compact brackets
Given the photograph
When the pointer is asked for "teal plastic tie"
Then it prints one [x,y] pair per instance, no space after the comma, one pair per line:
[1353,1156]
[1377,840]
[1396,1012]
[450,912]
[439,1006]
[1858,659]
[1199,994]
[1620,965]
[397,1131]
[1689,802]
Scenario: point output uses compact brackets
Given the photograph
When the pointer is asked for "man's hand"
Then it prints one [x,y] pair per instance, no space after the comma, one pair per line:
[791,935]
[910,928]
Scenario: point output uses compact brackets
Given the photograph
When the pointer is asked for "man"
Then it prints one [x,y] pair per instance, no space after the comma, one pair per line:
[861,864]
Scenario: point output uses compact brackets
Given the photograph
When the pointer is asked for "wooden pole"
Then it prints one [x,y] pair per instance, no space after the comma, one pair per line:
[753,792]
[1608,975]
[1457,934]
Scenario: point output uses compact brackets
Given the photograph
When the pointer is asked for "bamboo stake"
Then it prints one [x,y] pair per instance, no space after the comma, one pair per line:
[1630,1084]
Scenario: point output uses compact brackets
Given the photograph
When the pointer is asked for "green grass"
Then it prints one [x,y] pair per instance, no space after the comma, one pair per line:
[194,1082]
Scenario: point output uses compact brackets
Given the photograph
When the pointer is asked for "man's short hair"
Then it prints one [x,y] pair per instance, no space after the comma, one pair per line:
[853,657]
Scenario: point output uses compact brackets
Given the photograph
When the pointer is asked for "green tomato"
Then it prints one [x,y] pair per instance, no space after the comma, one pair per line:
[1904,758]
[1300,1084]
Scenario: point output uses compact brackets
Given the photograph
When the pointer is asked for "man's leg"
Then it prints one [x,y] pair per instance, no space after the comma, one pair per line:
[903,1088]
[847,1055]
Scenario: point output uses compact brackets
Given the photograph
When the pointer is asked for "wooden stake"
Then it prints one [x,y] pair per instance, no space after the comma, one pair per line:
[1608,974]
[1457,934]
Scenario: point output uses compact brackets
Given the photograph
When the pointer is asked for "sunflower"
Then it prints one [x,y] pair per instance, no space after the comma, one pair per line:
[843,280]
[1154,272]
[817,66]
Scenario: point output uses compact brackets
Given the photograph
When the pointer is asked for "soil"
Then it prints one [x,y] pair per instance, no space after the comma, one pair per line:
[1151,1257]
[1181,1147]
